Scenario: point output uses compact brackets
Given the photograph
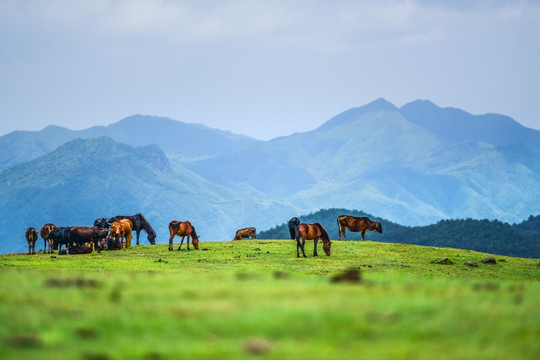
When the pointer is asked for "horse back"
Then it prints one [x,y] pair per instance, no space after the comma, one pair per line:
[307,231]
[180,228]
[354,223]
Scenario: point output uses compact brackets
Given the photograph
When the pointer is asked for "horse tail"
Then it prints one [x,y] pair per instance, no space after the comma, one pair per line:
[341,226]
[173,227]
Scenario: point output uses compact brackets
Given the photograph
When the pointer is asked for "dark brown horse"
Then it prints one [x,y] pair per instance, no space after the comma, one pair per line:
[245,233]
[353,223]
[183,229]
[312,232]
[44,232]
[31,237]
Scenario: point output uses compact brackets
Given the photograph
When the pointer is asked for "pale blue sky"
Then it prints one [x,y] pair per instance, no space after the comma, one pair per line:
[262,68]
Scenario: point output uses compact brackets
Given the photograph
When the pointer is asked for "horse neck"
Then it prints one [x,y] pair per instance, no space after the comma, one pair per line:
[146,226]
[193,232]
[324,235]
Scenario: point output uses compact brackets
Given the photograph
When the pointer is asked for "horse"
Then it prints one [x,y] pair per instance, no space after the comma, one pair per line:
[245,233]
[60,236]
[31,236]
[139,223]
[353,223]
[183,229]
[83,234]
[121,229]
[293,223]
[312,232]
[44,232]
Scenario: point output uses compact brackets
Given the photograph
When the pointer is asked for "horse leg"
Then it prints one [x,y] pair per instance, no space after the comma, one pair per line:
[300,245]
[181,242]
[138,233]
[315,247]
[363,233]
[170,243]
[187,242]
[33,247]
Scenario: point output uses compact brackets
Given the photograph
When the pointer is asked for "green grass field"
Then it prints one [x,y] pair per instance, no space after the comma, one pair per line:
[256,299]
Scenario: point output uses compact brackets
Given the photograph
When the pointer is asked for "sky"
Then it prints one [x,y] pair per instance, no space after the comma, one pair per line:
[262,68]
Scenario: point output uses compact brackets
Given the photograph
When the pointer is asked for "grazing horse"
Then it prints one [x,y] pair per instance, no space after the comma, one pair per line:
[121,229]
[44,232]
[353,223]
[183,229]
[139,223]
[293,223]
[31,237]
[312,232]
[245,233]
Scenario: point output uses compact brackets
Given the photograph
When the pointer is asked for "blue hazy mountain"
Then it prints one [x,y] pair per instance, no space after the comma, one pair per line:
[376,159]
[176,138]
[413,165]
[452,125]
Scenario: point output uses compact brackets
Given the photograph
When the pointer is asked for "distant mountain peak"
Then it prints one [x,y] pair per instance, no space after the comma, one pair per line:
[350,115]
[379,104]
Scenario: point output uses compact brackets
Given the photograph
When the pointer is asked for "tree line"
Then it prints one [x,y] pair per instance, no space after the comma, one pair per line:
[491,236]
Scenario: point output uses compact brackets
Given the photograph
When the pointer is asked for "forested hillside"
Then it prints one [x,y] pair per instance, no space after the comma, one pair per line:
[481,235]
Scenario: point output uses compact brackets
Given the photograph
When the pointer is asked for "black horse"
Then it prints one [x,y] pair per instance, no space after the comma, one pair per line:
[60,236]
[139,223]
[293,223]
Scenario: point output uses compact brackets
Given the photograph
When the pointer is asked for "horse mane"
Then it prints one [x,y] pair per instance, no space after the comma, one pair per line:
[194,233]
[145,224]
[323,231]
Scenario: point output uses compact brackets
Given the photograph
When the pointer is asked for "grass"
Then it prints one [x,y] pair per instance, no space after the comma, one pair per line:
[255,299]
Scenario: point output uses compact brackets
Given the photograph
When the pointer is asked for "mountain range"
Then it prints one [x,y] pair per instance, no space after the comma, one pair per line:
[413,165]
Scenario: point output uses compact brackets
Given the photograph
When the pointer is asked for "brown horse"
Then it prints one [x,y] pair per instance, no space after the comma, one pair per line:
[353,223]
[183,229]
[121,229]
[312,232]
[245,233]
[31,237]
[44,232]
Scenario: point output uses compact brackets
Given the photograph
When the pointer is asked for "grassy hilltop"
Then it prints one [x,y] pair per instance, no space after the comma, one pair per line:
[255,299]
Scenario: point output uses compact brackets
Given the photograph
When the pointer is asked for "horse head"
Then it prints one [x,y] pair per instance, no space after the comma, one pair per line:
[102,223]
[152,237]
[195,242]
[327,247]
[378,227]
